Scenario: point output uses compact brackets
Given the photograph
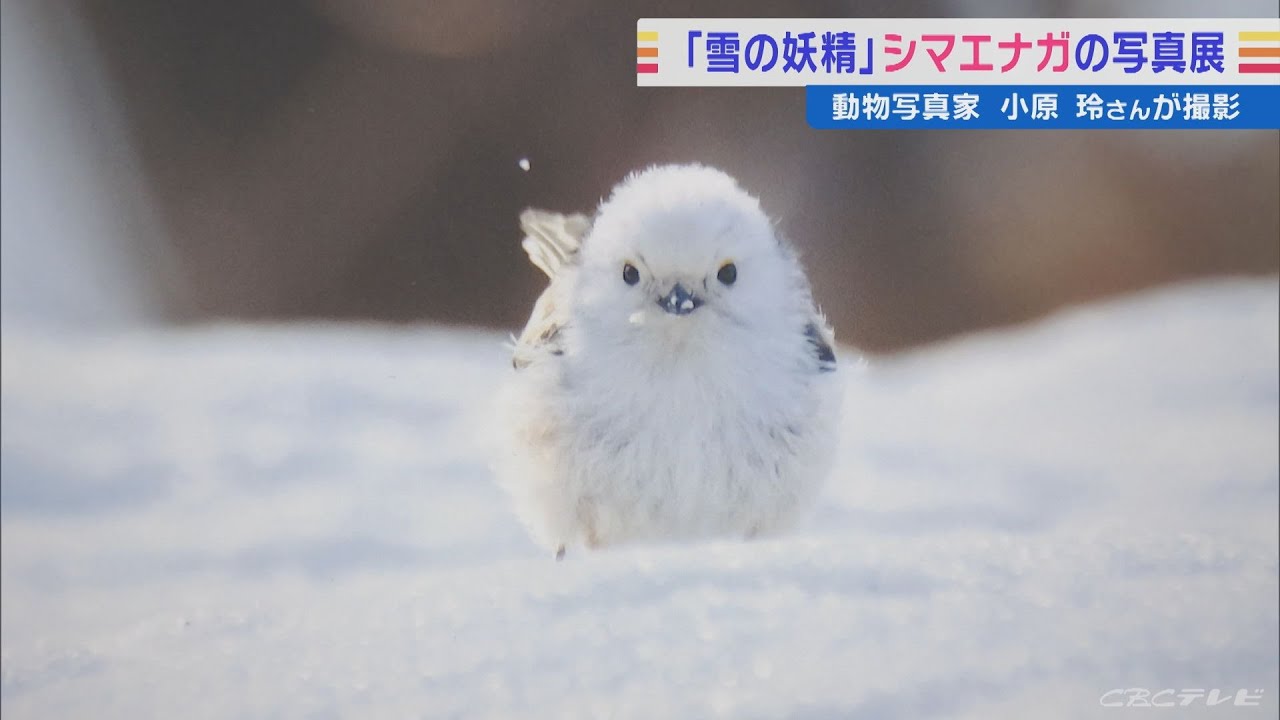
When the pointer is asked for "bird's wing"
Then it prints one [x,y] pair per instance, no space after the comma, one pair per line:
[821,339]
[552,241]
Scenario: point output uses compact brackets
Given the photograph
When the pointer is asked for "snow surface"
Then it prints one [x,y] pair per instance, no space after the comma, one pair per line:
[300,522]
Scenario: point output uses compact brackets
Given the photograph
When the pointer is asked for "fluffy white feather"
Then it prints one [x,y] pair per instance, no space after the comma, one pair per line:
[649,412]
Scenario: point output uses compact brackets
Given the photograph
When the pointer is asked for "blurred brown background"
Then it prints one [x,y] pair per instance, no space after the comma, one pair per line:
[347,159]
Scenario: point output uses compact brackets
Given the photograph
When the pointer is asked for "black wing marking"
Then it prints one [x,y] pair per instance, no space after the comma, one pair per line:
[821,348]
[548,340]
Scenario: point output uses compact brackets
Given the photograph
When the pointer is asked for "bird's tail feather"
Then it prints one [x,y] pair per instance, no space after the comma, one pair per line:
[551,239]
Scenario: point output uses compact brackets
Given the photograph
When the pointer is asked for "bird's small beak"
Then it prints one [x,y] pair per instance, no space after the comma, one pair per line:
[680,301]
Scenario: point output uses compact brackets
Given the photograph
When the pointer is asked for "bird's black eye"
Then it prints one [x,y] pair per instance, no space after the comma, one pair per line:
[630,275]
[728,273]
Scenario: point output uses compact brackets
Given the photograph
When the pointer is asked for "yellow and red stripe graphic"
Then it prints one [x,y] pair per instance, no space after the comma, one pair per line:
[646,51]
[1262,54]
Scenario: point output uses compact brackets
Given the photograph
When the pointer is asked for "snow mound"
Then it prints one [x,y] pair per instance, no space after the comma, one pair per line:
[300,522]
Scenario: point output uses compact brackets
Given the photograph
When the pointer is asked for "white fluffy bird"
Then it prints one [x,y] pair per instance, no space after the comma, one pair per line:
[675,380]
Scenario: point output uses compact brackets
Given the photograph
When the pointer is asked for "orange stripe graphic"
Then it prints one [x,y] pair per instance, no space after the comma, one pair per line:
[653,52]
[1260,52]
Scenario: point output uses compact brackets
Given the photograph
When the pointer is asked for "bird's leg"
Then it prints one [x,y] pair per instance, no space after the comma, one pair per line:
[560,553]
[587,518]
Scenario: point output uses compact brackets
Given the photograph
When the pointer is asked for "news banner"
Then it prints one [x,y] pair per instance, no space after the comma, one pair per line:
[1153,73]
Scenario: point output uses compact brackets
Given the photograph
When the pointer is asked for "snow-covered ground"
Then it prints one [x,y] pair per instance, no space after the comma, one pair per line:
[300,522]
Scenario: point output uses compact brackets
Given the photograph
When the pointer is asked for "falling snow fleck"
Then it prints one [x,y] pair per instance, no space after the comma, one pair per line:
[524,164]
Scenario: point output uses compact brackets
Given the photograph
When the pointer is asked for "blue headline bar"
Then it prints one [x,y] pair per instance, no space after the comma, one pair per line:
[1049,107]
